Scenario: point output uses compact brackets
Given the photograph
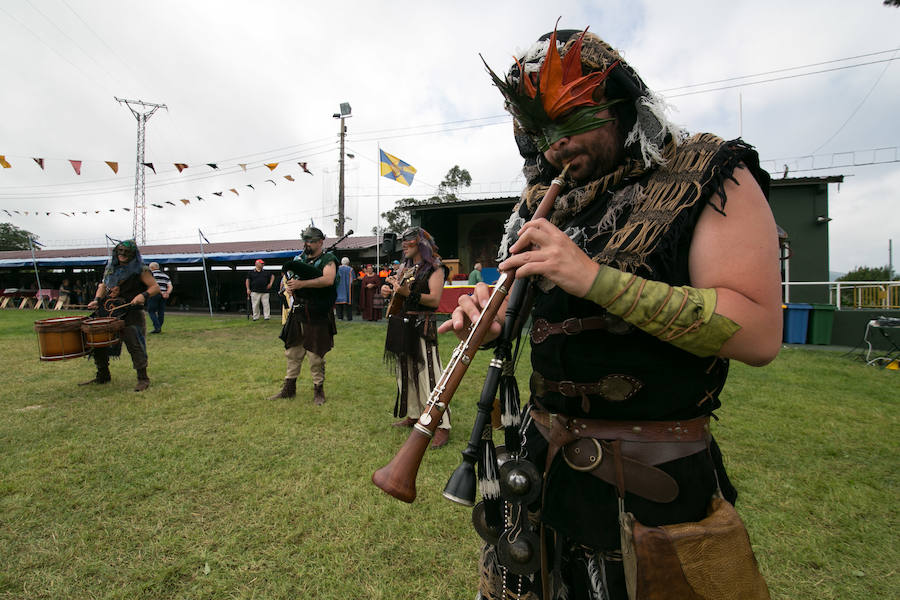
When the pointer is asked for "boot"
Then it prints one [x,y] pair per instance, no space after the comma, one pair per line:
[407,422]
[288,390]
[319,394]
[143,382]
[103,376]
[440,439]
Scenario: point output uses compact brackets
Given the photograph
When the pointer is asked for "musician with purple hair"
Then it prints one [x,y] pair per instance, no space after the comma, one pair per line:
[411,341]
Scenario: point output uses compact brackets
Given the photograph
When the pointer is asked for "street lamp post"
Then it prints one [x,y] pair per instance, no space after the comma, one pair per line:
[344,114]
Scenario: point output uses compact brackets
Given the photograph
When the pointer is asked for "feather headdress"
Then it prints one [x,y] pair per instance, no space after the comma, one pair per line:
[557,100]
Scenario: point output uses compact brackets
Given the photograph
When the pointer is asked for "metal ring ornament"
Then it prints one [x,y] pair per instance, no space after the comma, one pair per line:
[592,458]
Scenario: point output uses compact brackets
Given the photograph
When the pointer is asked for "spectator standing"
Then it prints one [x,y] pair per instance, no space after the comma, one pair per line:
[345,280]
[77,292]
[370,299]
[156,305]
[475,275]
[65,293]
[259,284]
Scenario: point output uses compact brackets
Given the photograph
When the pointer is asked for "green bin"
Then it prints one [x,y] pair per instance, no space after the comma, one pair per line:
[821,318]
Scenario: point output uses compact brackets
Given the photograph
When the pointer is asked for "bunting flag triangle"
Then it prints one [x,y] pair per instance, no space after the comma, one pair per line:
[303,166]
[271,166]
[235,191]
[4,163]
[212,165]
[76,164]
[157,205]
[251,187]
[181,167]
[185,201]
[40,162]
[170,202]
[243,166]
[217,193]
[272,182]
[200,198]
[150,166]
[289,178]
[113,165]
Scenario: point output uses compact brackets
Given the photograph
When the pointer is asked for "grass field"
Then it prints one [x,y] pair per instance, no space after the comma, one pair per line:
[201,488]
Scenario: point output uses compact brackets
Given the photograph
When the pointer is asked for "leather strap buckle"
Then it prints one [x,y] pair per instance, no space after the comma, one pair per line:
[571,326]
[568,388]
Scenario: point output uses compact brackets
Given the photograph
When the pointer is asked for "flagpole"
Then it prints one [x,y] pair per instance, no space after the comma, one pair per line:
[205,276]
[34,262]
[378,213]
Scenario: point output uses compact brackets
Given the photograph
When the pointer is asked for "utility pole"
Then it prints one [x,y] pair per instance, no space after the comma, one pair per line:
[344,114]
[139,228]
[890,257]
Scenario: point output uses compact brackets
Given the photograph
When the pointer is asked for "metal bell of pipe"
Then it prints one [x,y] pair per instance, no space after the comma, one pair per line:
[461,486]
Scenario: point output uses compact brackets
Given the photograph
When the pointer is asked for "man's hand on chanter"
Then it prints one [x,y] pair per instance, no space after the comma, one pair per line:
[542,249]
[468,309]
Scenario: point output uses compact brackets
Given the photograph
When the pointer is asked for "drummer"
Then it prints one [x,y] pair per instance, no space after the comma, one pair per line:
[127,283]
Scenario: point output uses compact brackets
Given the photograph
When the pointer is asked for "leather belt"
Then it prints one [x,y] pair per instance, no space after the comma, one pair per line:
[541,329]
[642,445]
[615,388]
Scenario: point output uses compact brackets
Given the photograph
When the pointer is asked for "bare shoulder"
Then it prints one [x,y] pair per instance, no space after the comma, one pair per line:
[742,241]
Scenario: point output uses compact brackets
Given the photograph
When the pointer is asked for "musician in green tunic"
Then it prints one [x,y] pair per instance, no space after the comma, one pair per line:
[310,328]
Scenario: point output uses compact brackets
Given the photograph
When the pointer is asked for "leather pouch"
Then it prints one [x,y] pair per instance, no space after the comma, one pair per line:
[708,560]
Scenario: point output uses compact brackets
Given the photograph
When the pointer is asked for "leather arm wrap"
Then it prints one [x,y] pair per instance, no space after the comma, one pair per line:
[683,316]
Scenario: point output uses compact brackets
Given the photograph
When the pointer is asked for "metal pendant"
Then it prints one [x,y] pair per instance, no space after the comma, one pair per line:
[489,534]
[520,552]
[520,481]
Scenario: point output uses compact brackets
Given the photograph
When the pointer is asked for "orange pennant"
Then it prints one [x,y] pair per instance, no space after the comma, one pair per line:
[113,165]
[185,201]
[288,177]
[235,191]
[76,164]
[181,167]
[271,166]
[4,162]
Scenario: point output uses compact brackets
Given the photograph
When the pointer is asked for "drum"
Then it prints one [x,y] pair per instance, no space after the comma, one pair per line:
[102,332]
[60,338]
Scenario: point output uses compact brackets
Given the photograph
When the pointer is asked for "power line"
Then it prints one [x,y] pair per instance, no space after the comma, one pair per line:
[855,110]
[749,83]
[74,43]
[52,49]
[818,64]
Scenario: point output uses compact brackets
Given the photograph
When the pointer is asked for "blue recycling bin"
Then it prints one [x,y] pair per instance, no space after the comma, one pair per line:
[796,322]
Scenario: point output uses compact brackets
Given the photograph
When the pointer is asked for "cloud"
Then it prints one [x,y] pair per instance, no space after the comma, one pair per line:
[258,82]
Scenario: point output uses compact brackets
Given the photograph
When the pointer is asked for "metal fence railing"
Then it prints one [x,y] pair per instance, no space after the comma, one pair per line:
[854,294]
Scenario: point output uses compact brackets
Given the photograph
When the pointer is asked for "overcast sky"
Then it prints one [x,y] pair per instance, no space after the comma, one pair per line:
[258,82]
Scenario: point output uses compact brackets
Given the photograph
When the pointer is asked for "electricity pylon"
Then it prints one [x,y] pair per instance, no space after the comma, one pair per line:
[139,229]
